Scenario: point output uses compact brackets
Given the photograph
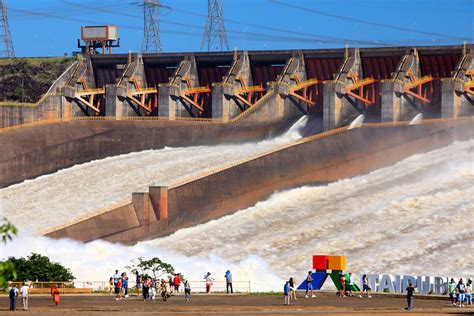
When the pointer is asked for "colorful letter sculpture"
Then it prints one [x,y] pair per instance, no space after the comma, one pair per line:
[325,266]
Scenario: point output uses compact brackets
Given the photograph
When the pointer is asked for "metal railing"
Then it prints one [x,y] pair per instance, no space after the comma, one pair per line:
[89,287]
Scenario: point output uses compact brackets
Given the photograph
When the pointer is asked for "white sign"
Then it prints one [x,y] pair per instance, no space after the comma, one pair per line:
[399,283]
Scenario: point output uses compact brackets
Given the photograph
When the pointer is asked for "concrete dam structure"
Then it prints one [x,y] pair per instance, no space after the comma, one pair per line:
[111,105]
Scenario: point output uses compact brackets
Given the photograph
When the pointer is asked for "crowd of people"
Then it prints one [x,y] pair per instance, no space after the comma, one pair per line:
[166,287]
[460,293]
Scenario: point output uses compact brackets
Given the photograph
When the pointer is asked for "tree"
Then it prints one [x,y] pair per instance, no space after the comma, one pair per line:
[40,268]
[7,269]
[153,267]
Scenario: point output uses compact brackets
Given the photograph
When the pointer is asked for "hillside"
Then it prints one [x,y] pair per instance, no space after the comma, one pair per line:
[25,80]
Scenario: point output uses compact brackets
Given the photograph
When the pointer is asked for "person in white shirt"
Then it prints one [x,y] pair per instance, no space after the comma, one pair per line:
[351,284]
[24,295]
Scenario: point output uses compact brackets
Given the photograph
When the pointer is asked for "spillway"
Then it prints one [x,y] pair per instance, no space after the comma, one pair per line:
[413,217]
[410,218]
[83,189]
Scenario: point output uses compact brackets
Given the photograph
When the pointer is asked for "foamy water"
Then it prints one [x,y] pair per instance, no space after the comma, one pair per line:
[54,199]
[414,217]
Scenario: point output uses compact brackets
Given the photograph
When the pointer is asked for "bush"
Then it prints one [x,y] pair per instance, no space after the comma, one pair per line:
[39,268]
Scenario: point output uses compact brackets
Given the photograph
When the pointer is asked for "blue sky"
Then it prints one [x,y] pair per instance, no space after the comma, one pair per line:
[52,27]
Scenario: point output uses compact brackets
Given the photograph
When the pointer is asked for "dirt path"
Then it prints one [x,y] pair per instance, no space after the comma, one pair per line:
[325,303]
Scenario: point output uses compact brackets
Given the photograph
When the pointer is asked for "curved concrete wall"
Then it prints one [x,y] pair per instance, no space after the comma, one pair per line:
[315,160]
[28,152]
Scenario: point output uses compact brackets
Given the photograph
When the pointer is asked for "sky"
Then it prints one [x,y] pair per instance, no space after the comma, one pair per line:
[52,27]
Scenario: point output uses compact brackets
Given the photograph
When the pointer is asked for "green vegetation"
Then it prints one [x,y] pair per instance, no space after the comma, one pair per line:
[153,267]
[38,268]
[27,79]
[7,269]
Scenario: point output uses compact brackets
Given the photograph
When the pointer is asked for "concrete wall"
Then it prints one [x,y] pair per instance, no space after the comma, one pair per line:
[29,152]
[318,159]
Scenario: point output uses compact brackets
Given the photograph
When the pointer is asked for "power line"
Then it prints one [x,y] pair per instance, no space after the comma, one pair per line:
[315,39]
[215,36]
[6,37]
[345,18]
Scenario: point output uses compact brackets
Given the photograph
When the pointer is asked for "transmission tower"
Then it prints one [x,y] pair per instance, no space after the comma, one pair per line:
[215,37]
[5,36]
[151,27]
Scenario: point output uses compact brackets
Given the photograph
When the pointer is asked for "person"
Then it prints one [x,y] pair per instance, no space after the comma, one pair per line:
[125,284]
[342,284]
[55,294]
[137,282]
[309,284]
[111,285]
[13,295]
[118,288]
[187,291]
[410,296]
[171,282]
[116,277]
[24,295]
[350,285]
[228,281]
[452,291]
[292,288]
[460,289]
[286,291]
[153,289]
[469,293]
[164,294]
[177,283]
[365,287]
[209,280]
[146,288]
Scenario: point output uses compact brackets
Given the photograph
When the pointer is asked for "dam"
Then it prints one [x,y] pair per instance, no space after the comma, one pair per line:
[128,148]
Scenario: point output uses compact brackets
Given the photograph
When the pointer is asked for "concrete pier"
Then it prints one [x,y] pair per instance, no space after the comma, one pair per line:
[455,100]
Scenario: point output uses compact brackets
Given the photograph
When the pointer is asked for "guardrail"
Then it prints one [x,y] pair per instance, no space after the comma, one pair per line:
[89,287]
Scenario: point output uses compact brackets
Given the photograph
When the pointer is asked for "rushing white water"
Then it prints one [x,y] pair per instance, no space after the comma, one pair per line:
[414,217]
[416,119]
[358,121]
[54,199]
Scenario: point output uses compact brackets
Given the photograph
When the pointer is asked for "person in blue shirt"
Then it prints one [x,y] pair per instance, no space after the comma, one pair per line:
[286,291]
[228,280]
[125,283]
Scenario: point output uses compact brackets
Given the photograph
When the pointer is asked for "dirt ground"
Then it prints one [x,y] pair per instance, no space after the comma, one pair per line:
[200,304]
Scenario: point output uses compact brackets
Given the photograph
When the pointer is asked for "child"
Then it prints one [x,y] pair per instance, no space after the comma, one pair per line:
[286,291]
[118,288]
[164,294]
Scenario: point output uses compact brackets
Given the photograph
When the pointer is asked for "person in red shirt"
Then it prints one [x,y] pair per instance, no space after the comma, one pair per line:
[342,283]
[118,288]
[177,283]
